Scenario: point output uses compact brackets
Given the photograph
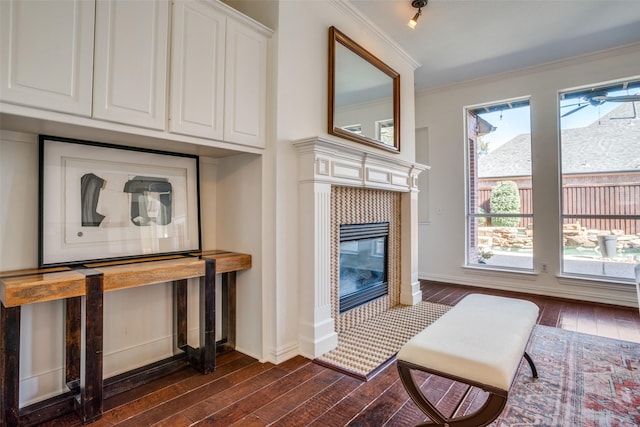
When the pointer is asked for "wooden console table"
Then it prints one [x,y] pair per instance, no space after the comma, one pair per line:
[83,291]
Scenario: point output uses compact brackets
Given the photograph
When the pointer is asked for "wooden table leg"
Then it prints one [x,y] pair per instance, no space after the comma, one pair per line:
[229,309]
[9,365]
[208,318]
[73,342]
[89,405]
[180,298]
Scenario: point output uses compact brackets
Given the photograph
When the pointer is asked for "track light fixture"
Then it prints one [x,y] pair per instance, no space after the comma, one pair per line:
[418,4]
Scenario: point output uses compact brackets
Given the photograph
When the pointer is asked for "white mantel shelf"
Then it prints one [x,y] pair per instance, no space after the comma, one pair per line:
[339,163]
[323,163]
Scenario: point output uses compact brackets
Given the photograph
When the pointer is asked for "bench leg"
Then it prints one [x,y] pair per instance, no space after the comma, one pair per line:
[534,371]
[492,407]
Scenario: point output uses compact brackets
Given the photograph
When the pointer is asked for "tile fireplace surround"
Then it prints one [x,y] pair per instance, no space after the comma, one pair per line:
[354,205]
[322,164]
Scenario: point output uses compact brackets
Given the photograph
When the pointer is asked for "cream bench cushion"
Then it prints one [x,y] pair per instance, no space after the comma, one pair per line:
[481,339]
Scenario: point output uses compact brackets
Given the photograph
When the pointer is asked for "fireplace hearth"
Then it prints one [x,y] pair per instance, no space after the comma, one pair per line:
[363,263]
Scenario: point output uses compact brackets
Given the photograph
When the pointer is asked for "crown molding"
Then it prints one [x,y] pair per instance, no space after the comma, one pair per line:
[349,9]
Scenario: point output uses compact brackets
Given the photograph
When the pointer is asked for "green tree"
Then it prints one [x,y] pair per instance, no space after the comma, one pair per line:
[505,199]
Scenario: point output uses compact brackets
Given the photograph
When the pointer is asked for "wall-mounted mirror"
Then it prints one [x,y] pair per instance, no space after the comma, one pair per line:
[364,95]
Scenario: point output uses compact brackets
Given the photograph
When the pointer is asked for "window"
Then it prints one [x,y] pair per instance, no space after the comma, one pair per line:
[384,131]
[499,203]
[357,129]
[600,170]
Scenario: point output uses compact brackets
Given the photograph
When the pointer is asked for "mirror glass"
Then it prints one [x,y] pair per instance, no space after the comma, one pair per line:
[364,95]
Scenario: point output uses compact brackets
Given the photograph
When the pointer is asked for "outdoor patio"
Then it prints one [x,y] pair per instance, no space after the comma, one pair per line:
[609,253]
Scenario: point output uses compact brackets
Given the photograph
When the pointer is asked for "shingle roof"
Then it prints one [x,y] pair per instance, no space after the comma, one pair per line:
[609,144]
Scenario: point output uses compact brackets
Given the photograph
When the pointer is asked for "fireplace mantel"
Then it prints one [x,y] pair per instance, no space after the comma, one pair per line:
[327,161]
[323,163]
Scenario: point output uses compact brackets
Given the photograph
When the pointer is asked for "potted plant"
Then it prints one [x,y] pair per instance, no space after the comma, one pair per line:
[483,255]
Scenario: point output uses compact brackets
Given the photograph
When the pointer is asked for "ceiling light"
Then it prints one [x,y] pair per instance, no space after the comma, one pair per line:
[418,4]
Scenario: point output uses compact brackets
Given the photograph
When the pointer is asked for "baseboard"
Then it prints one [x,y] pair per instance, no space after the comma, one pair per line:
[126,359]
[283,353]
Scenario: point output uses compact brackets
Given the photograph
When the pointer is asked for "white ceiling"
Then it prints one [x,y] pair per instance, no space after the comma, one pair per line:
[458,40]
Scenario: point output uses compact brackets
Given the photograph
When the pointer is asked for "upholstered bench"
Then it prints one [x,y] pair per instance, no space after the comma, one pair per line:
[479,342]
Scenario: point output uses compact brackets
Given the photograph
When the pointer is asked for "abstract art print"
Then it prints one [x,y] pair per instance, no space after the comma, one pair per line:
[101,201]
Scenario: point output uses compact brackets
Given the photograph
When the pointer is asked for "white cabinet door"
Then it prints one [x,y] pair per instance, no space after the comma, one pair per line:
[245,85]
[197,70]
[46,57]
[131,62]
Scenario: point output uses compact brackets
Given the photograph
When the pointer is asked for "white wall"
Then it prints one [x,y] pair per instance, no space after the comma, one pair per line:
[441,112]
[239,229]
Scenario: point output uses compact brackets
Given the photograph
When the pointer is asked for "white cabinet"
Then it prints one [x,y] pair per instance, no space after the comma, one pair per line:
[245,88]
[46,58]
[131,60]
[218,74]
[197,77]
[109,61]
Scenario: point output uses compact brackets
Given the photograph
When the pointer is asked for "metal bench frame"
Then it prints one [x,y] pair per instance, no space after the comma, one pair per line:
[491,409]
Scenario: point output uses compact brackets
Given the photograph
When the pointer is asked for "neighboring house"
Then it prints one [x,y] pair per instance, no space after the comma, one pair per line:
[600,157]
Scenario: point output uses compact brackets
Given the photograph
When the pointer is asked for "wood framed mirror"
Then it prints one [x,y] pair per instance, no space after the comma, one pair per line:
[364,95]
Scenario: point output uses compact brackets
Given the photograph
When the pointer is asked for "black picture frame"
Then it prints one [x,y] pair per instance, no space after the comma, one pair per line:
[100,202]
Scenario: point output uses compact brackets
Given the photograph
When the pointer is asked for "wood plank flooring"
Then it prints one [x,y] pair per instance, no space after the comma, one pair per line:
[597,319]
[298,392]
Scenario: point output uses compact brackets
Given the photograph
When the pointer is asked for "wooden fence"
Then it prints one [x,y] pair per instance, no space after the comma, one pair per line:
[588,199]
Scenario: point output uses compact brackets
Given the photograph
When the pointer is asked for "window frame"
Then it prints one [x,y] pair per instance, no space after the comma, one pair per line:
[471,213]
[575,93]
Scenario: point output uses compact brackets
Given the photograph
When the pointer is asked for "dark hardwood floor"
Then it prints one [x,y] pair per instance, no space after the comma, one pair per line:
[609,321]
[298,392]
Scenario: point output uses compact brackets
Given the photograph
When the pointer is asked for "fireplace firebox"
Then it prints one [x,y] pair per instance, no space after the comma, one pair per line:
[363,263]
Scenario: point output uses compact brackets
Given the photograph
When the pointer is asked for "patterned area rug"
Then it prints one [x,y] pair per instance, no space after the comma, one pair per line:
[584,380]
[365,349]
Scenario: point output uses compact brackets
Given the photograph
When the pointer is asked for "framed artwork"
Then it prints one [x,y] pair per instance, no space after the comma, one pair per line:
[103,202]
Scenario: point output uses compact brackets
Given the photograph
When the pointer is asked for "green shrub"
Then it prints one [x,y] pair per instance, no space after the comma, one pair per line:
[482,221]
[505,199]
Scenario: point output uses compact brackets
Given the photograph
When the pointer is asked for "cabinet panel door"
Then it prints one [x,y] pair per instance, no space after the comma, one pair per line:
[131,62]
[245,90]
[46,58]
[197,70]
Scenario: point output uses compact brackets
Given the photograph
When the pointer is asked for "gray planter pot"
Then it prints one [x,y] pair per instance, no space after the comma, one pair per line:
[607,246]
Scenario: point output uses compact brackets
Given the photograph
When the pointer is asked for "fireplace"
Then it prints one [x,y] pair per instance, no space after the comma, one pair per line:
[363,263]
[380,179]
